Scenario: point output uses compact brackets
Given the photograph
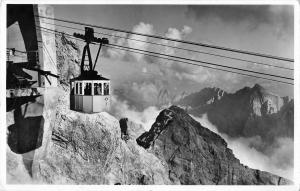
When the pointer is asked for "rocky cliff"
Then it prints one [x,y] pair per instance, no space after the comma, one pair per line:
[67,56]
[195,155]
[88,149]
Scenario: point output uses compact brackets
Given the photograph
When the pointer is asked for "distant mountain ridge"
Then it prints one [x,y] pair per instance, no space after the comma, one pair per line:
[203,97]
[247,112]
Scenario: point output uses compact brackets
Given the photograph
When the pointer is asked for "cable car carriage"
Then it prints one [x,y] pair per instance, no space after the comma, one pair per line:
[90,92]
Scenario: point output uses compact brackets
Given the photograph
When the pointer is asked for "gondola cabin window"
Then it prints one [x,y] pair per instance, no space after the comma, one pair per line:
[97,88]
[87,88]
[106,89]
[80,88]
[76,88]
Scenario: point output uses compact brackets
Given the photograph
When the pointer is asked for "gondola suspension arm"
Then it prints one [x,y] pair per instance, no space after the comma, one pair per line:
[100,46]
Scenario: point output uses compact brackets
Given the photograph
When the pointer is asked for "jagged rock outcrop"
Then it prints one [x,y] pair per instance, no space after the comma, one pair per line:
[203,97]
[264,103]
[196,155]
[88,149]
[67,56]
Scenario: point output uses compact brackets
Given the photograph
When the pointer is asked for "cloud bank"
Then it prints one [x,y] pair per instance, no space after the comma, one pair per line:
[121,109]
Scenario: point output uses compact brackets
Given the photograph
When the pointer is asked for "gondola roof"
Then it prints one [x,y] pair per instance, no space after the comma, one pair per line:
[89,77]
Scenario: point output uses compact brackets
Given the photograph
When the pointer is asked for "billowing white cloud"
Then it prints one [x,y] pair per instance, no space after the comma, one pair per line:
[177,34]
[186,30]
[117,53]
[198,74]
[143,28]
[277,161]
[166,67]
[121,109]
[139,94]
[145,90]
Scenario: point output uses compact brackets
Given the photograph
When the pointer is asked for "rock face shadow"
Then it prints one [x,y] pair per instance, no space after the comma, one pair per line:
[26,133]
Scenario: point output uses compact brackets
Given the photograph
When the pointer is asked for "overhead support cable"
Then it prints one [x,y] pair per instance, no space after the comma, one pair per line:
[190,63]
[178,48]
[180,59]
[175,40]
[207,63]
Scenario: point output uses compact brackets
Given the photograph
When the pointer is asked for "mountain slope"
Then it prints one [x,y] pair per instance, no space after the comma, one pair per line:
[195,155]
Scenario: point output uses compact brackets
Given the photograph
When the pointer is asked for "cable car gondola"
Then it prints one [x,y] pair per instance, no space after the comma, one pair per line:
[90,92]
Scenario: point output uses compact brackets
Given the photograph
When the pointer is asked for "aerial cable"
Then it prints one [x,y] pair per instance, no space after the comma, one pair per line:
[175,40]
[204,62]
[175,47]
[100,46]
[190,63]
[208,63]
[51,31]
[130,50]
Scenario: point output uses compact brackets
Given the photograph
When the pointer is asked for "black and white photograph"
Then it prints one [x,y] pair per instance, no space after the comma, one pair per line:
[150,94]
